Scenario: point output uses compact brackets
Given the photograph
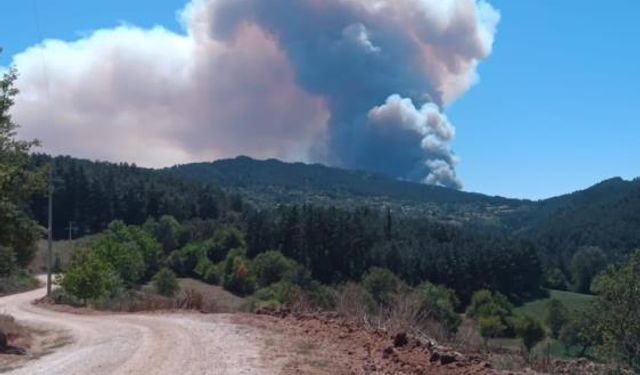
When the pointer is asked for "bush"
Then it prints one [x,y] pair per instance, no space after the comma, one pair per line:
[272,267]
[238,278]
[209,272]
[382,284]
[556,317]
[585,266]
[322,297]
[124,259]
[555,279]
[354,302]
[486,304]
[132,253]
[226,239]
[90,277]
[490,327]
[617,310]
[8,262]
[439,303]
[529,330]
[168,232]
[580,331]
[165,283]
[282,292]
[185,260]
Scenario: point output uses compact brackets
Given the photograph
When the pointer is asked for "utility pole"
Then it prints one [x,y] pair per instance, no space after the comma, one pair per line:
[50,231]
[71,229]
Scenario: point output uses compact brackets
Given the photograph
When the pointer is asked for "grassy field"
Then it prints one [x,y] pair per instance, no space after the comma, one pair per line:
[537,309]
[573,301]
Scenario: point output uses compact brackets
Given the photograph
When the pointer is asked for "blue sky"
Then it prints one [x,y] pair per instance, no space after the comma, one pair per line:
[557,108]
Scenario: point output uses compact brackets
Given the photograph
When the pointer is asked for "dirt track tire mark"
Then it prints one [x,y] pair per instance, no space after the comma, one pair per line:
[181,343]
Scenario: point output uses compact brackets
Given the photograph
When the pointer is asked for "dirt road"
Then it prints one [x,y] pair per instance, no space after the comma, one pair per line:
[181,343]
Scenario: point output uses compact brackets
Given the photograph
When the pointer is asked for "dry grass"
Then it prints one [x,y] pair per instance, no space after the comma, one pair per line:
[140,301]
[215,298]
[405,314]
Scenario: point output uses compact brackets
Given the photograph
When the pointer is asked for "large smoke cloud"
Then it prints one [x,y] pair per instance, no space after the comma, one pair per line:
[354,83]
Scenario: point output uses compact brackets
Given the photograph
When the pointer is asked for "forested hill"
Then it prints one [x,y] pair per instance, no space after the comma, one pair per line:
[271,182]
[606,215]
[91,194]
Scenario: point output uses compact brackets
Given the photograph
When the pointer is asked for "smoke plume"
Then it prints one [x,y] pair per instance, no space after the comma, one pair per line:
[353,83]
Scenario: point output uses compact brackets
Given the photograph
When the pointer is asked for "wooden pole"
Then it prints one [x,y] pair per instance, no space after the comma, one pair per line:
[50,231]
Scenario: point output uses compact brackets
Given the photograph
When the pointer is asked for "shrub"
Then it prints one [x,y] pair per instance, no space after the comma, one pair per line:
[165,283]
[132,253]
[322,297]
[490,327]
[185,260]
[382,284]
[618,311]
[439,303]
[90,277]
[8,262]
[168,233]
[282,292]
[556,317]
[529,330]
[585,265]
[580,331]
[225,240]
[238,278]
[555,279]
[486,304]
[354,302]
[272,267]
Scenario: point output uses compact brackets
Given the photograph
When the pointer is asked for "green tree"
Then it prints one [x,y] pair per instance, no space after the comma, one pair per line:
[581,331]
[555,279]
[618,307]
[8,263]
[271,267]
[529,330]
[490,327]
[556,316]
[90,277]
[238,277]
[125,259]
[486,304]
[165,283]
[382,284]
[132,253]
[585,266]
[18,181]
[440,303]
[168,232]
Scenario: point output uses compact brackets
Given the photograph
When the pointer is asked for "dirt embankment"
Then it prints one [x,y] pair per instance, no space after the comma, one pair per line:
[324,344]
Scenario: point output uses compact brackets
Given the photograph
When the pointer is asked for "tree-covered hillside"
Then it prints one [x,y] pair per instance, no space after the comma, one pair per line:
[92,194]
[598,224]
[606,215]
[270,182]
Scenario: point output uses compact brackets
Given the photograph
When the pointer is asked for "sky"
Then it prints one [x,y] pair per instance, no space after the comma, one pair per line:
[555,108]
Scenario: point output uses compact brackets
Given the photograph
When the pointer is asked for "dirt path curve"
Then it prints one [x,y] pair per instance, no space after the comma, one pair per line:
[181,343]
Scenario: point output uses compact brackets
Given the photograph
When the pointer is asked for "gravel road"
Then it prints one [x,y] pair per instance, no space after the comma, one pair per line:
[180,343]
